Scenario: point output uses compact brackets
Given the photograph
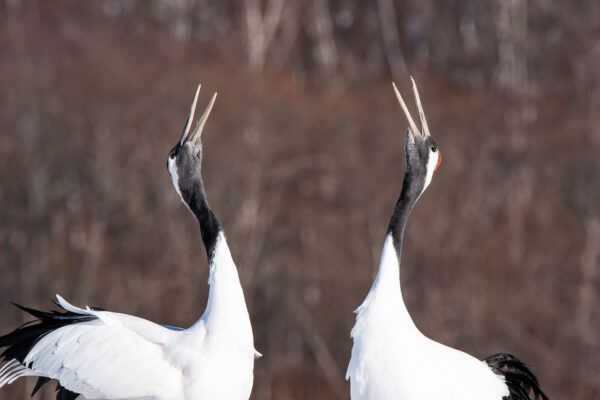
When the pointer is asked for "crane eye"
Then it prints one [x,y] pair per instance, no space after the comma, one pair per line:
[433,148]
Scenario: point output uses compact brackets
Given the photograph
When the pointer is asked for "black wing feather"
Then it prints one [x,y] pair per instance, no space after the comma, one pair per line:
[520,380]
[64,394]
[42,380]
[19,342]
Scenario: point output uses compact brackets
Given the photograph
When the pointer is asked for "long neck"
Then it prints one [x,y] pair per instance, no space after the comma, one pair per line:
[226,309]
[195,198]
[411,190]
[386,291]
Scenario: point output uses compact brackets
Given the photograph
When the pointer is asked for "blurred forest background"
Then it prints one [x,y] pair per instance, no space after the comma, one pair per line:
[304,158]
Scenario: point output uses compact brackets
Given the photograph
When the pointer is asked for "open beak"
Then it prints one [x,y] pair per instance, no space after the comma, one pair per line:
[197,132]
[195,135]
[412,127]
[190,117]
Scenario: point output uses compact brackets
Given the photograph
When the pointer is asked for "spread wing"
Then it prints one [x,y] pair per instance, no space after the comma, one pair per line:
[98,354]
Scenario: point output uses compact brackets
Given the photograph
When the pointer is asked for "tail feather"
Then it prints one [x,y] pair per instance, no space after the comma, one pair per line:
[520,380]
[61,392]
[19,343]
[42,380]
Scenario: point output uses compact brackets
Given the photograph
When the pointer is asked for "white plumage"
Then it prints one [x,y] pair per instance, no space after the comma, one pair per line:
[391,359]
[106,355]
[120,356]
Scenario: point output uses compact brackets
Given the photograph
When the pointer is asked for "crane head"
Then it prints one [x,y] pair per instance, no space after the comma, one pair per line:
[185,158]
[422,152]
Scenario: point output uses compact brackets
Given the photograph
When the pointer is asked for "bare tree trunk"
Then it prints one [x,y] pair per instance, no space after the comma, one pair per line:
[260,29]
[326,52]
[287,41]
[253,220]
[590,264]
[511,32]
[94,247]
[180,16]
[321,351]
[511,76]
[391,41]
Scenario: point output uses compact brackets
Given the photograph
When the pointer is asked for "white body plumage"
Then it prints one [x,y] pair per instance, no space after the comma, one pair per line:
[119,356]
[107,355]
[392,359]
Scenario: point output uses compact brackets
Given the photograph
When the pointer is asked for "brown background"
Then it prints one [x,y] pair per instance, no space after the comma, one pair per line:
[303,163]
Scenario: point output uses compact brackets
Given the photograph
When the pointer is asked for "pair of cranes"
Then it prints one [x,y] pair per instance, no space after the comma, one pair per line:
[98,354]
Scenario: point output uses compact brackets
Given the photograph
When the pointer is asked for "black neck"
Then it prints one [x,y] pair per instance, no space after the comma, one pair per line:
[193,194]
[411,189]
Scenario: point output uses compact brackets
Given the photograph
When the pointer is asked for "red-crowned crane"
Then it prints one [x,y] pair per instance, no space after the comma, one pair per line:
[391,359]
[97,354]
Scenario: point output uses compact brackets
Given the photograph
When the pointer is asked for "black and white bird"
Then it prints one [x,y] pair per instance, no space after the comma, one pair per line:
[97,354]
[391,358]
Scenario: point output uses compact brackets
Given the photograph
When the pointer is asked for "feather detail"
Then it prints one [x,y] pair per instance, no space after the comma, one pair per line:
[519,379]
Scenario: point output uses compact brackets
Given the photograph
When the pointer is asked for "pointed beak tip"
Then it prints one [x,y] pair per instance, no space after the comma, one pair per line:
[190,118]
[411,123]
[197,132]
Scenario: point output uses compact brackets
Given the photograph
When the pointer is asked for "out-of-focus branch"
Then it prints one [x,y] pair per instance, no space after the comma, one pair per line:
[590,259]
[511,31]
[391,42]
[326,51]
[260,29]
[317,343]
[94,246]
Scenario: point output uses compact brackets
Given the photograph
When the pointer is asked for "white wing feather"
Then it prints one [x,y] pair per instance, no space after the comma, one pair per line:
[116,356]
